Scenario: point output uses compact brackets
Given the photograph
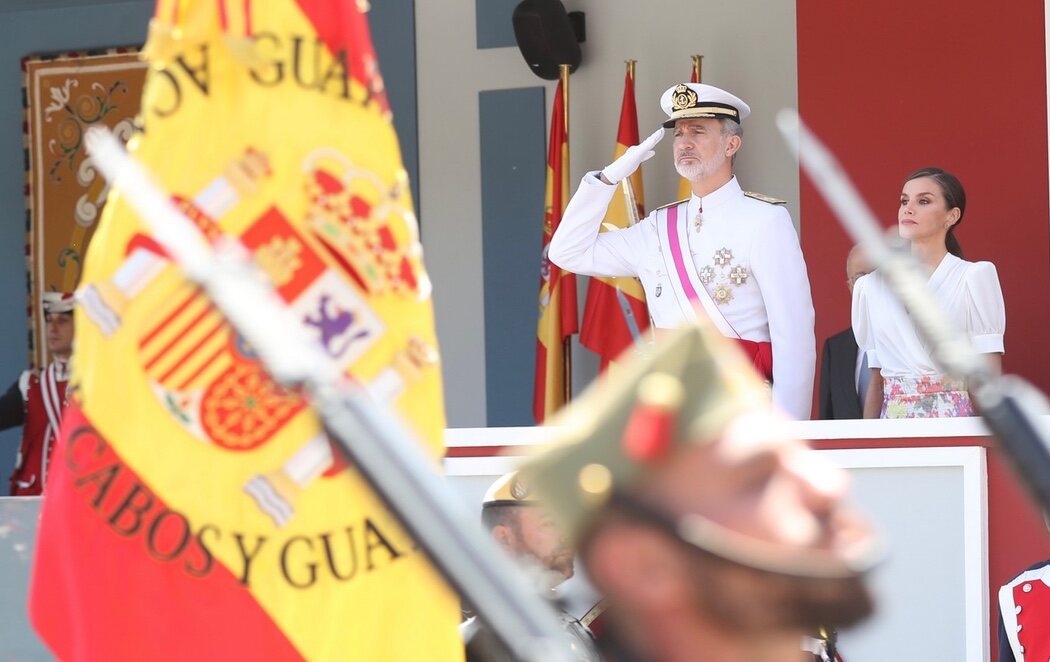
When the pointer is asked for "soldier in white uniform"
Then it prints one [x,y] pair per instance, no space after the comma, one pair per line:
[731,256]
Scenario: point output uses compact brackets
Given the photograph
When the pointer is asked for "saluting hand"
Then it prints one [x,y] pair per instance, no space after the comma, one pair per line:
[632,158]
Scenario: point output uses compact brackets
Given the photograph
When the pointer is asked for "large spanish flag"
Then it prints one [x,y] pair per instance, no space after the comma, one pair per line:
[615,314]
[195,509]
[557,305]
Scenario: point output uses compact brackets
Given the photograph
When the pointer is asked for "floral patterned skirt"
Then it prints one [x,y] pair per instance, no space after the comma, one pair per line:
[928,396]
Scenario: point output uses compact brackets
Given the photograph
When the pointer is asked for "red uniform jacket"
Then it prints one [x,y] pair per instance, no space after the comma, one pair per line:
[43,395]
[1024,607]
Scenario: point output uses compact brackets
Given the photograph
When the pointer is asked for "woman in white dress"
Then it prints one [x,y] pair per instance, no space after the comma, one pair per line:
[905,382]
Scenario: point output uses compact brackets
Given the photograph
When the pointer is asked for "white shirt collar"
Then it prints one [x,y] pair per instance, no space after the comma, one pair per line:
[61,369]
[728,192]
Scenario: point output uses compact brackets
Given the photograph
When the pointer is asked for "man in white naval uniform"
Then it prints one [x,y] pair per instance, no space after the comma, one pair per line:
[729,255]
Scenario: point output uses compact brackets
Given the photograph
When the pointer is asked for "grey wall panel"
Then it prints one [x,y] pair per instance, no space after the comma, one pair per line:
[494,27]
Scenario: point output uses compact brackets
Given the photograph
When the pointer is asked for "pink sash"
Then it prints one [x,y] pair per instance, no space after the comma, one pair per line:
[688,281]
[676,254]
[685,282]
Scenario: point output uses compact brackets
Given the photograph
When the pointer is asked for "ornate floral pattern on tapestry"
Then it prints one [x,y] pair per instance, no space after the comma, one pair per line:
[63,96]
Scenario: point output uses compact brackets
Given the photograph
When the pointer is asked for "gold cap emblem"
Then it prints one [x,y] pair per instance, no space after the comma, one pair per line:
[683,97]
[518,490]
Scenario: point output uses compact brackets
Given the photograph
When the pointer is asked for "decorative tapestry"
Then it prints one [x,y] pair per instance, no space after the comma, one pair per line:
[63,96]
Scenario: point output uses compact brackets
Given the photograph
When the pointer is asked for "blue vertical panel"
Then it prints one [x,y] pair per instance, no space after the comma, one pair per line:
[513,178]
[494,26]
[393,24]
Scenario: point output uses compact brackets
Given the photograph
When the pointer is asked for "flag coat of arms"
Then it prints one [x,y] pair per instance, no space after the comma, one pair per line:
[196,509]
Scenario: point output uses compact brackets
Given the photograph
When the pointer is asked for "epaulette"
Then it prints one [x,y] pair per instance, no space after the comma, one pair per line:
[671,204]
[765,198]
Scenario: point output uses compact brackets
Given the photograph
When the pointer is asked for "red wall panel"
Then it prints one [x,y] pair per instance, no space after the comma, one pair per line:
[896,85]
[961,84]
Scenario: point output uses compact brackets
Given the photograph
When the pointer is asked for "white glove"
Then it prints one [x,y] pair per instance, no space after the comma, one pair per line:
[634,156]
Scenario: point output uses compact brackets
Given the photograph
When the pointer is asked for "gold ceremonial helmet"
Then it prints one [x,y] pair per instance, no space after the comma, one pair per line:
[687,392]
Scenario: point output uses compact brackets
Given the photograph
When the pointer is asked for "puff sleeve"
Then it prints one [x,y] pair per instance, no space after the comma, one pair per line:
[985,309]
[861,319]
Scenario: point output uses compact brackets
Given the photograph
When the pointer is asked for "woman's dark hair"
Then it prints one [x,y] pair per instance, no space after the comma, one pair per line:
[954,196]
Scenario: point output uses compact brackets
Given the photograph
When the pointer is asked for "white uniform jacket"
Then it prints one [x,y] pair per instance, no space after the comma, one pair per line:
[747,255]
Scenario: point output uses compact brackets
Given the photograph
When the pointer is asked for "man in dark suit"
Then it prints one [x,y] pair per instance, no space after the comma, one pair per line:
[844,375]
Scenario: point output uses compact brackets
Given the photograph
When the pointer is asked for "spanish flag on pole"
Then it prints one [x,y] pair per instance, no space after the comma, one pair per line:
[557,303]
[615,314]
[195,509]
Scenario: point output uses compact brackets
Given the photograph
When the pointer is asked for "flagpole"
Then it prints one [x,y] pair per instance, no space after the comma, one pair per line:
[628,189]
[685,187]
[566,343]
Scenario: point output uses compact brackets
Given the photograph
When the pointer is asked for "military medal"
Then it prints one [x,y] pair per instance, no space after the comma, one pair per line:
[698,220]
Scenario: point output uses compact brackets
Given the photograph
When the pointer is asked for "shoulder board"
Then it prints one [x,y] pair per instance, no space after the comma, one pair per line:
[671,204]
[765,198]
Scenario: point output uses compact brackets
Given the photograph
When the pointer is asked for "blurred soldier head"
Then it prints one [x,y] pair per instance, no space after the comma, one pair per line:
[58,323]
[705,523]
[857,265]
[524,531]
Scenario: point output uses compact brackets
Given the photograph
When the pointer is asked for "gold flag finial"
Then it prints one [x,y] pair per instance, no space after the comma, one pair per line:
[698,61]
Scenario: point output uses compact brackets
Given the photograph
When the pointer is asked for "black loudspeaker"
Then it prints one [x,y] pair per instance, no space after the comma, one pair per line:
[547,37]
